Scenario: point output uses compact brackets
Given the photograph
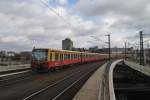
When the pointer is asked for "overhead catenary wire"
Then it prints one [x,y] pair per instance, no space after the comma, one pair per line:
[61,17]
[51,9]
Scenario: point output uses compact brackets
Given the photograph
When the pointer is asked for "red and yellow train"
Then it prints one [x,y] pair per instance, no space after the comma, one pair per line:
[48,59]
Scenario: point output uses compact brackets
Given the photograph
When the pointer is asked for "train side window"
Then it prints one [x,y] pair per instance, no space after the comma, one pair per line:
[75,56]
[61,57]
[65,56]
[79,56]
[56,57]
[68,56]
[50,56]
[72,56]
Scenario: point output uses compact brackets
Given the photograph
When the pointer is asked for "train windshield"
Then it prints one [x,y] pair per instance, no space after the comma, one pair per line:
[39,55]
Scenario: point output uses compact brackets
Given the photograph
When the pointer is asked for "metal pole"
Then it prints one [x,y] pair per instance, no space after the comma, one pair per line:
[125,51]
[109,49]
[141,49]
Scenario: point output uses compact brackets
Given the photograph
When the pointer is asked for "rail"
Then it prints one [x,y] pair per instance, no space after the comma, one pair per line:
[49,86]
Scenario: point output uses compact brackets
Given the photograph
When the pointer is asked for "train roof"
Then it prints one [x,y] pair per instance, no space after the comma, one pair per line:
[65,51]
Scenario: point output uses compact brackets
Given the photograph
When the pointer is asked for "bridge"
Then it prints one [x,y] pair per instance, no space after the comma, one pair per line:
[106,80]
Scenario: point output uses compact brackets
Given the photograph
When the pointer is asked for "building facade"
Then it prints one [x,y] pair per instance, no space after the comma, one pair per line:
[67,44]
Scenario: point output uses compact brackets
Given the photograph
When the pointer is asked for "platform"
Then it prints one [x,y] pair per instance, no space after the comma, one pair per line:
[92,88]
[140,68]
[14,67]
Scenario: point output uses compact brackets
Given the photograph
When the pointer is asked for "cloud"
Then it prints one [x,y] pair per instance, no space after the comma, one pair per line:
[26,24]
[116,16]
[62,2]
[29,23]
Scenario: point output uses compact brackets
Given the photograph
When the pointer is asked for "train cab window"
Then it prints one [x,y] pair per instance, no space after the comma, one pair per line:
[40,55]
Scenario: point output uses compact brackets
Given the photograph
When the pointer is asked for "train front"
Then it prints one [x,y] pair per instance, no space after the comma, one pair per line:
[39,60]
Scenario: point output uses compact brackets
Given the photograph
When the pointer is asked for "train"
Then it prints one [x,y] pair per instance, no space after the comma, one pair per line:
[45,59]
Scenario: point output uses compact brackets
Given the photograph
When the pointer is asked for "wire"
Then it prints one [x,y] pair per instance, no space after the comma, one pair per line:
[51,9]
[147,40]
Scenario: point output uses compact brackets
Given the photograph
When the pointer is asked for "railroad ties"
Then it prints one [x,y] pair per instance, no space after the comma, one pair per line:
[115,80]
[62,84]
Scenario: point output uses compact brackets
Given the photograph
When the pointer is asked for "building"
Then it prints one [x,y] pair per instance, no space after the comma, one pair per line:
[67,44]
[93,48]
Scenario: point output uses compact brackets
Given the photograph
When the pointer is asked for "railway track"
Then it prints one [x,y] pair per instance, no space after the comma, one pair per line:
[130,84]
[39,82]
[71,80]
[64,94]
[12,76]
[15,77]
[63,87]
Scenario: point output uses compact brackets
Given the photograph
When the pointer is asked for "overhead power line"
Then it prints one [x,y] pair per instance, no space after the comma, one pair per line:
[147,40]
[51,9]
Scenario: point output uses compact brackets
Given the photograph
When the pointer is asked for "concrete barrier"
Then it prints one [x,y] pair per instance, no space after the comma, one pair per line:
[111,85]
[106,91]
[13,67]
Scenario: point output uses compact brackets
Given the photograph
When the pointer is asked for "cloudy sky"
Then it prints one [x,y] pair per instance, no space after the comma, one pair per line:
[45,23]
